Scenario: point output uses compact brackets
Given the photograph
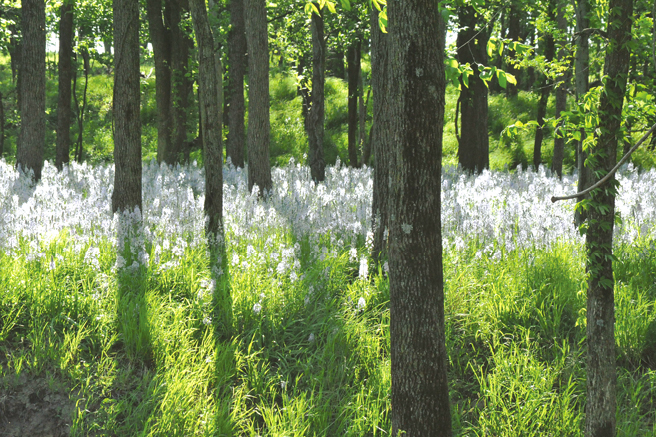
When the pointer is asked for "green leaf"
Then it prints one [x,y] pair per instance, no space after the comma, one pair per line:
[490,48]
[501,75]
[331,7]
[346,4]
[453,63]
[510,78]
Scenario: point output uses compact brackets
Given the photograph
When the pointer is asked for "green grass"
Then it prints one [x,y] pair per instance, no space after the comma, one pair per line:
[142,353]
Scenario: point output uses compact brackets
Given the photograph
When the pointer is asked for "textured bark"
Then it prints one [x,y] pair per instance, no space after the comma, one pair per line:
[582,65]
[514,30]
[64,112]
[353,60]
[2,127]
[160,37]
[81,109]
[561,95]
[600,338]
[545,91]
[365,146]
[316,113]
[420,393]
[181,84]
[474,143]
[259,127]
[32,136]
[211,95]
[237,69]
[127,123]
[380,139]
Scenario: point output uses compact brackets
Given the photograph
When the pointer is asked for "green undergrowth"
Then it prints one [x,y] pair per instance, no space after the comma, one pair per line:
[176,349]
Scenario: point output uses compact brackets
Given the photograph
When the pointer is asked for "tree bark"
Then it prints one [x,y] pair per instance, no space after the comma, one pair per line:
[600,339]
[259,125]
[353,60]
[420,393]
[32,136]
[545,91]
[181,84]
[160,37]
[127,122]
[2,127]
[561,95]
[211,95]
[365,146]
[582,67]
[64,112]
[236,71]
[514,30]
[316,113]
[380,136]
[474,143]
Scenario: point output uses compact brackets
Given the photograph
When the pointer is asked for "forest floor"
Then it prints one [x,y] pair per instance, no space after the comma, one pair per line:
[111,327]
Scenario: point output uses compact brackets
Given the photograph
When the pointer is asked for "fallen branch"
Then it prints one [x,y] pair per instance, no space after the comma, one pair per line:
[610,173]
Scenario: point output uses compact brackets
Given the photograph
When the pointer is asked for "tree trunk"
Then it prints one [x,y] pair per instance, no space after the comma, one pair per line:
[316,113]
[582,65]
[64,113]
[81,110]
[380,138]
[514,29]
[353,60]
[545,91]
[420,393]
[160,37]
[236,72]
[561,95]
[365,146]
[259,127]
[181,85]
[2,127]
[600,339]
[474,143]
[127,122]
[32,136]
[211,95]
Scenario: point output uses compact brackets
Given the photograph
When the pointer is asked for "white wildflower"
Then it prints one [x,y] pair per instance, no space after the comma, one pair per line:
[311,338]
[257,308]
[361,303]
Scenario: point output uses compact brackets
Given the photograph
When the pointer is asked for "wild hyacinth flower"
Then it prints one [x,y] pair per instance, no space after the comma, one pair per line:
[257,308]
[361,303]
[364,268]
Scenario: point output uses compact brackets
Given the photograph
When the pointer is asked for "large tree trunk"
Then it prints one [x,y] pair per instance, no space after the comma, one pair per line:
[259,127]
[127,134]
[2,127]
[380,136]
[316,113]
[32,136]
[473,143]
[600,331]
[181,85]
[420,393]
[160,37]
[237,70]
[211,96]
[64,113]
[545,91]
[561,95]
[582,65]
[353,60]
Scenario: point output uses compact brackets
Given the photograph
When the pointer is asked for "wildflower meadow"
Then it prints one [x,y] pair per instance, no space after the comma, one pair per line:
[108,327]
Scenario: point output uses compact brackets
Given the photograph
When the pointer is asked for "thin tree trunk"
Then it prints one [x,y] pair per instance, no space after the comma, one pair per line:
[160,37]
[211,96]
[474,143]
[32,136]
[79,148]
[353,60]
[545,91]
[600,332]
[420,392]
[561,95]
[380,139]
[64,113]
[316,113]
[259,127]
[514,29]
[237,69]
[365,146]
[582,66]
[127,134]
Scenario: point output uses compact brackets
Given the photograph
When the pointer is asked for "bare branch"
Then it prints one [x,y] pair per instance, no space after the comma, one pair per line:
[610,173]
